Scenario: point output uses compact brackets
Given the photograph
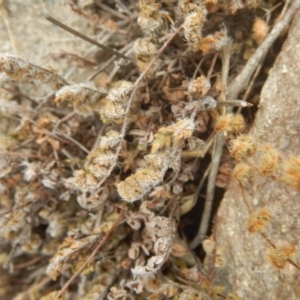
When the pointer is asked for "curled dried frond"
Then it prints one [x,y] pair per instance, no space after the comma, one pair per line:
[145,179]
[159,226]
[144,51]
[114,105]
[161,230]
[109,140]
[243,147]
[99,162]
[137,185]
[120,92]
[43,205]
[20,69]
[142,63]
[173,135]
[143,46]
[161,141]
[258,220]
[117,294]
[68,248]
[84,98]
[85,181]
[154,264]
[149,18]
[148,23]
[183,129]
[193,23]
[93,200]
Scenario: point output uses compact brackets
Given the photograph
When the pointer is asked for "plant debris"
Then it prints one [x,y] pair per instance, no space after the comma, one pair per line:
[97,177]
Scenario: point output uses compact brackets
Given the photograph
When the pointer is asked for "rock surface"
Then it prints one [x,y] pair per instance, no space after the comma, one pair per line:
[248,272]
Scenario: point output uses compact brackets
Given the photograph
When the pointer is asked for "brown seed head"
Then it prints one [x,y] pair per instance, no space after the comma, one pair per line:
[200,86]
[269,160]
[279,256]
[242,172]
[213,42]
[291,172]
[230,123]
[258,220]
[260,30]
[243,147]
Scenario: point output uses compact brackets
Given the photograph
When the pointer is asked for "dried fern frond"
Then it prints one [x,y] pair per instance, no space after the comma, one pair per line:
[149,18]
[137,185]
[68,248]
[99,163]
[83,97]
[113,107]
[161,230]
[193,24]
[173,134]
[20,69]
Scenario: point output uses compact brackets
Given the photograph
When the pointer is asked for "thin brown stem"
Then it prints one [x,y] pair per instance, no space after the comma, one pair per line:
[91,257]
[244,198]
[213,268]
[86,38]
[28,263]
[216,158]
[294,264]
[209,195]
[212,66]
